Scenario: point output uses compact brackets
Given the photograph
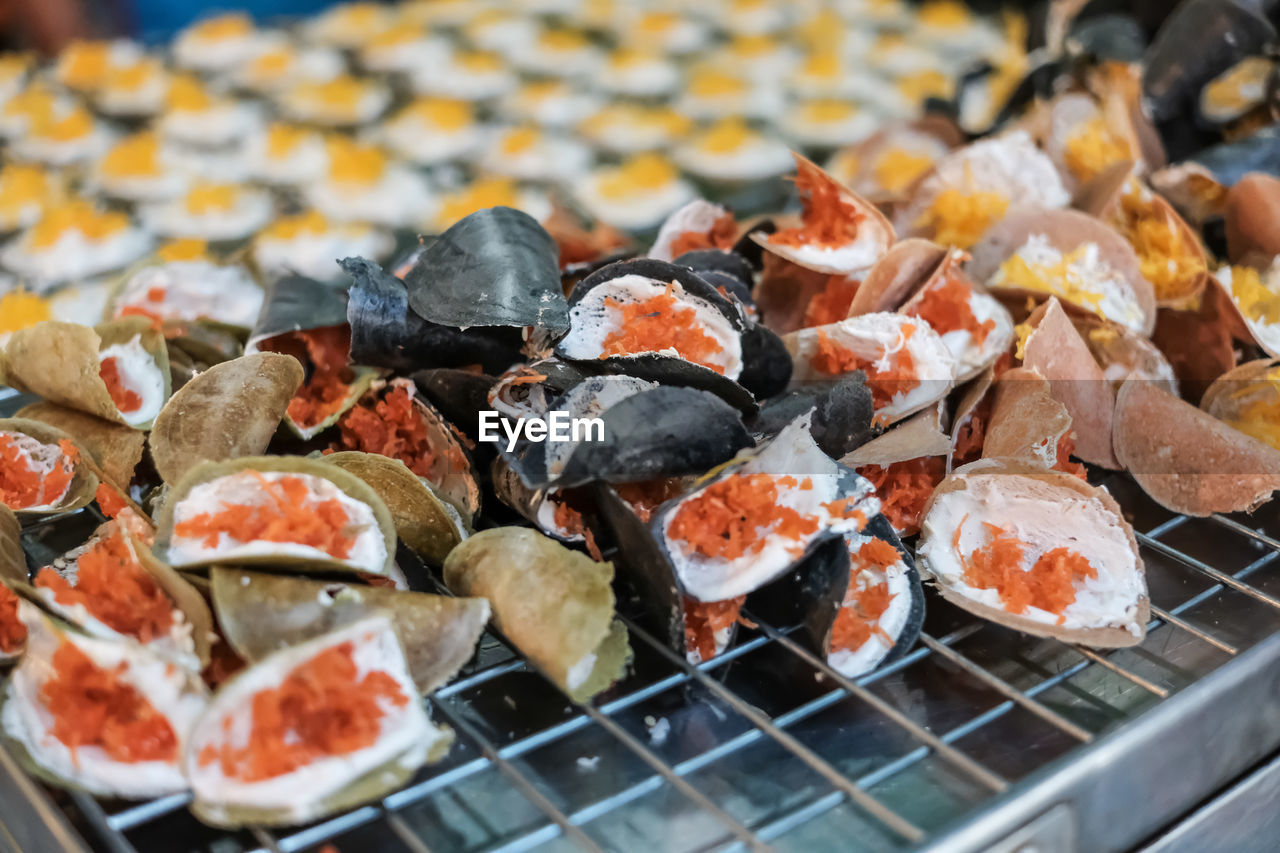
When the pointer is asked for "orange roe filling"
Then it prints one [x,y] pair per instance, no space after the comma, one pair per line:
[658,323]
[827,220]
[390,427]
[1049,585]
[288,514]
[323,708]
[22,485]
[946,308]
[109,501]
[92,706]
[115,589]
[863,606]
[898,378]
[832,304]
[13,633]
[722,235]
[904,488]
[735,517]
[568,519]
[703,619]
[1066,447]
[126,399]
[647,495]
[329,385]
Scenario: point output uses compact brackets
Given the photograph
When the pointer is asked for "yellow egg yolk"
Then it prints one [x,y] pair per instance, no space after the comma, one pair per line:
[1022,331]
[14,64]
[823,31]
[636,176]
[20,309]
[827,111]
[343,91]
[824,65]
[183,250]
[443,113]
[1260,417]
[897,168]
[395,36]
[207,199]
[23,185]
[136,156]
[492,192]
[1240,87]
[538,91]
[725,136]
[351,162]
[625,58]
[959,218]
[519,141]
[34,104]
[752,47]
[657,23]
[1091,148]
[223,28]
[271,65]
[76,124]
[84,64]
[1058,278]
[562,41]
[131,78]
[478,62]
[360,17]
[293,227]
[187,94]
[1257,301]
[925,84]
[712,84]
[943,14]
[78,216]
[282,139]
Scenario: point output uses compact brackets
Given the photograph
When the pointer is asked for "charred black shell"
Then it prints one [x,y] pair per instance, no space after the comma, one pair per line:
[732,264]
[296,303]
[496,267]
[842,418]
[385,331]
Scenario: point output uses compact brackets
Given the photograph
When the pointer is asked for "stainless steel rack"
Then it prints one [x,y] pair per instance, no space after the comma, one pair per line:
[980,738]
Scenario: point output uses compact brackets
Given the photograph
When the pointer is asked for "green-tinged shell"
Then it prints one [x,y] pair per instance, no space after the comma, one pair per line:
[13,562]
[556,605]
[423,521]
[263,613]
[231,410]
[236,694]
[180,706]
[206,341]
[83,485]
[116,448]
[347,482]
[360,383]
[59,362]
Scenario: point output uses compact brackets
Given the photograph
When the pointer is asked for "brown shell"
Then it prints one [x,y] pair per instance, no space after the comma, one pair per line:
[1252,218]
[920,435]
[1024,417]
[1057,352]
[784,292]
[873,219]
[1186,459]
[974,392]
[232,409]
[1069,111]
[59,362]
[1114,345]
[1235,319]
[1065,230]
[901,272]
[184,596]
[1192,189]
[1199,344]
[13,562]
[1229,393]
[115,448]
[1011,469]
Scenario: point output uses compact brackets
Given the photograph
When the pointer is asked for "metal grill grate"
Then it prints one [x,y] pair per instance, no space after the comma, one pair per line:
[974,733]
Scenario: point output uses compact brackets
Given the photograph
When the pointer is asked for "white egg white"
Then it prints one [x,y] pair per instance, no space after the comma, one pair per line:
[400,198]
[193,290]
[635,211]
[549,158]
[454,79]
[252,209]
[756,158]
[73,255]
[316,255]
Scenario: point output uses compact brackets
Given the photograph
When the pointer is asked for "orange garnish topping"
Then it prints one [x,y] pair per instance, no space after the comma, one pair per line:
[13,633]
[390,427]
[1066,447]
[324,394]
[722,235]
[109,501]
[1049,585]
[323,708]
[827,219]
[832,304]
[946,308]
[647,495]
[702,619]
[736,516]
[126,399]
[904,488]
[114,588]
[288,514]
[23,486]
[92,706]
[899,377]
[863,606]
[569,519]
[658,323]
[157,321]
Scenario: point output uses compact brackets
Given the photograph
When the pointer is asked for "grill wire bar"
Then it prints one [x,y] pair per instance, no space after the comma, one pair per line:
[1020,684]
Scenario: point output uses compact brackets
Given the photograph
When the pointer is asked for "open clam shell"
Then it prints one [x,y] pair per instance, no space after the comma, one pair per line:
[1250,291]
[1199,344]
[64,362]
[54,455]
[228,411]
[1070,255]
[175,695]
[843,414]
[260,614]
[1026,424]
[115,448]
[428,524]
[1008,508]
[864,232]
[1186,459]
[386,332]
[554,604]
[364,529]
[229,794]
